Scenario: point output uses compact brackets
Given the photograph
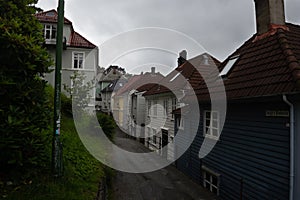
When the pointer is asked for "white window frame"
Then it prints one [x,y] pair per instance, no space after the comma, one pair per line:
[229,65]
[214,124]
[166,107]
[74,53]
[154,136]
[174,106]
[209,181]
[155,107]
[53,31]
[148,131]
[149,104]
[180,123]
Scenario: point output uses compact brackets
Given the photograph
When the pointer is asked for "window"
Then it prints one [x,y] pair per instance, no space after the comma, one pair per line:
[155,108]
[149,107]
[49,32]
[211,124]
[210,180]
[228,66]
[159,142]
[154,139]
[78,60]
[180,122]
[148,131]
[174,105]
[50,14]
[166,107]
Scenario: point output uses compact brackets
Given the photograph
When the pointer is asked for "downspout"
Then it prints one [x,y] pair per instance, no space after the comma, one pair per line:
[292,146]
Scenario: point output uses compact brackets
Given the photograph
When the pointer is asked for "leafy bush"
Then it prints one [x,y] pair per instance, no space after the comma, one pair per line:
[107,124]
[24,106]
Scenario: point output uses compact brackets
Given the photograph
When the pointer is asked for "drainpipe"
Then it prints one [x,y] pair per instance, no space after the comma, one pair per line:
[292,146]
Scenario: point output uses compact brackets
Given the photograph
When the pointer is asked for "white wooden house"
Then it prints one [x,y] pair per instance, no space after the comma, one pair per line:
[79,54]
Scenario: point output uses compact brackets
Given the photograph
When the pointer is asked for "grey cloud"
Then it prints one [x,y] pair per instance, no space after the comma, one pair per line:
[219,25]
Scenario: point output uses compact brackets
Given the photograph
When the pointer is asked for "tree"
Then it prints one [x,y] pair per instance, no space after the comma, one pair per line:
[80,90]
[24,107]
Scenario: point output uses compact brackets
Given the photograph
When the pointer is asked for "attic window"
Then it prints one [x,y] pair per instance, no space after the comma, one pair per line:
[229,65]
[175,77]
[50,14]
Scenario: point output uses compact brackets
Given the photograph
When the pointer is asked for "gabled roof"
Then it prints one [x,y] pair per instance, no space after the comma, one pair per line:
[142,82]
[114,85]
[50,17]
[113,72]
[266,66]
[187,72]
[76,40]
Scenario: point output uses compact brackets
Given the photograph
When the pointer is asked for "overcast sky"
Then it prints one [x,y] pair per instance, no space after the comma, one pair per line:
[220,26]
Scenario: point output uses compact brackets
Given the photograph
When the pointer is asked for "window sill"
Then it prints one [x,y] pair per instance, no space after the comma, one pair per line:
[212,137]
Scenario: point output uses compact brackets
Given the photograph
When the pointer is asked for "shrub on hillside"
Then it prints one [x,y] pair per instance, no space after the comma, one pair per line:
[24,105]
[107,124]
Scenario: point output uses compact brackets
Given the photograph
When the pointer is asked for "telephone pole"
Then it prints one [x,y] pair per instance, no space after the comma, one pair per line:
[57,165]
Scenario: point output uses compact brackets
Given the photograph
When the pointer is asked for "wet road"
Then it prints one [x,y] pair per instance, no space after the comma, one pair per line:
[164,184]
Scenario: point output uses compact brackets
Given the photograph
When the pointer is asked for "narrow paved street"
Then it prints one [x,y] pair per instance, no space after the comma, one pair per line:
[164,184]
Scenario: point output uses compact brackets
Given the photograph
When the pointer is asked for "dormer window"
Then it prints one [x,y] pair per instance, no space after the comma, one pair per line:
[228,66]
[50,14]
[50,32]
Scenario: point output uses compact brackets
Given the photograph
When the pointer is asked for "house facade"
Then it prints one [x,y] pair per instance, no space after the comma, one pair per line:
[79,54]
[108,78]
[257,152]
[129,103]
[166,96]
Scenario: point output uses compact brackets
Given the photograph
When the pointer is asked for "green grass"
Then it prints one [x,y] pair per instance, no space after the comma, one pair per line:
[82,173]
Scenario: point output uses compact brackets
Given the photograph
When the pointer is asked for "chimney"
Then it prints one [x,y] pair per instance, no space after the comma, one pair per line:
[269,13]
[205,60]
[182,57]
[152,70]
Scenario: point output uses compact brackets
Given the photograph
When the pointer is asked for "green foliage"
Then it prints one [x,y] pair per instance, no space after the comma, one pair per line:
[66,105]
[80,162]
[24,106]
[107,124]
[82,173]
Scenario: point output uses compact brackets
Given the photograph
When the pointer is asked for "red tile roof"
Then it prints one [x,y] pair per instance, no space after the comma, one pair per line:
[50,17]
[266,66]
[189,72]
[76,40]
[140,83]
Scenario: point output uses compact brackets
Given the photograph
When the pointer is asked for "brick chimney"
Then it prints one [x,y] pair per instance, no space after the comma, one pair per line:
[182,57]
[269,14]
[152,70]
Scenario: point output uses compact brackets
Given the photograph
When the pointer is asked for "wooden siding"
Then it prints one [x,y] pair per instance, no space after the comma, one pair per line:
[253,149]
[161,120]
[297,150]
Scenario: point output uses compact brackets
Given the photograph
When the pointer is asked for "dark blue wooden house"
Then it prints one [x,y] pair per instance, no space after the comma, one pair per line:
[257,155]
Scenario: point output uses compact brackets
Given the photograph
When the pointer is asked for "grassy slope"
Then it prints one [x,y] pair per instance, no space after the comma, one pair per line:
[82,173]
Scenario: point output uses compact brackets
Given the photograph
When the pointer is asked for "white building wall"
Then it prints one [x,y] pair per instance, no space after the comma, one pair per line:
[155,122]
